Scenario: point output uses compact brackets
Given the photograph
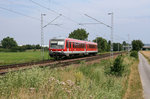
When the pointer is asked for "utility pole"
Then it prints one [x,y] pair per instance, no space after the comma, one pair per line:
[112,28]
[42,37]
[42,33]
[128,43]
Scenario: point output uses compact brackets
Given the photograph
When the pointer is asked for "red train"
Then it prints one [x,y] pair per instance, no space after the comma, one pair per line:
[59,48]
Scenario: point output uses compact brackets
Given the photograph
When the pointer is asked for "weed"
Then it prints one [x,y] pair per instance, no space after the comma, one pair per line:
[118,67]
[80,82]
[78,77]
[134,54]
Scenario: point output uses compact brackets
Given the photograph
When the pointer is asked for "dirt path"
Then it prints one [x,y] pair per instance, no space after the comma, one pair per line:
[144,70]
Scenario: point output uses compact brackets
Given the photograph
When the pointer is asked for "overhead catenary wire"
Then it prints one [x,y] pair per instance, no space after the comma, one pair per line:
[97,20]
[52,21]
[19,13]
[35,18]
[31,17]
[54,11]
[66,16]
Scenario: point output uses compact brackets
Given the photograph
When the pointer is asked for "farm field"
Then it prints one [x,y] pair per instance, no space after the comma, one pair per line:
[146,54]
[21,57]
[83,81]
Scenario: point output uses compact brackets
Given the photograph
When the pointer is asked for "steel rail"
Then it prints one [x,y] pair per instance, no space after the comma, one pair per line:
[51,63]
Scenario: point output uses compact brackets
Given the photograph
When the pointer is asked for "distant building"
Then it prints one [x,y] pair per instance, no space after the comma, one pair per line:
[127,47]
[45,45]
[146,47]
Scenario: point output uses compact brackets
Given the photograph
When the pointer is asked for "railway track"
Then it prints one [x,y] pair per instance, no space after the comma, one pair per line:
[52,63]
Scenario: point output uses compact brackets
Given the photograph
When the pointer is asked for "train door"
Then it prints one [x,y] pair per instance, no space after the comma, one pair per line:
[71,46]
[70,49]
[85,47]
[67,45]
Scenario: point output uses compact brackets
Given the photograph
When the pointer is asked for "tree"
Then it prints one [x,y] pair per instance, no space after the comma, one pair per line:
[102,44]
[9,43]
[38,46]
[79,34]
[117,47]
[124,43]
[137,45]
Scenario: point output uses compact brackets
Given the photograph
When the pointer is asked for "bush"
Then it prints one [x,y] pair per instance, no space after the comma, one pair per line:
[134,54]
[5,50]
[117,68]
[18,49]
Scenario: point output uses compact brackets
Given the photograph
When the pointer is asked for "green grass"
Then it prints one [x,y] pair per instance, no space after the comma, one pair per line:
[101,53]
[21,57]
[134,90]
[87,81]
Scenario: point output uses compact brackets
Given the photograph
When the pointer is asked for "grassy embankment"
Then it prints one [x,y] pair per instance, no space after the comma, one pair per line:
[146,55]
[134,90]
[21,57]
[86,81]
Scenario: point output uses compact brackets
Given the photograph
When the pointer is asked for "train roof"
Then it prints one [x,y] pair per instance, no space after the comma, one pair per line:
[81,41]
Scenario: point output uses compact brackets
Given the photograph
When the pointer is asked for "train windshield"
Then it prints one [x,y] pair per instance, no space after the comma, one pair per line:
[57,44]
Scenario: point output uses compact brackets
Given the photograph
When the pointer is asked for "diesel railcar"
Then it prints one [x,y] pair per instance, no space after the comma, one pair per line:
[59,48]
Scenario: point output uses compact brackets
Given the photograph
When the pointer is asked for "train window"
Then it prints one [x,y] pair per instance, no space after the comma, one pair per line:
[92,46]
[60,42]
[70,44]
[76,45]
[57,44]
[67,44]
[73,45]
[79,45]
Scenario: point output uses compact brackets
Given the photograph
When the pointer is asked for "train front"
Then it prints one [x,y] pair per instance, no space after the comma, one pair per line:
[57,48]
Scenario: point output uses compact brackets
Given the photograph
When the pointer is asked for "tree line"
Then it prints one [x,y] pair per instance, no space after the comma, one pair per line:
[103,44]
[9,44]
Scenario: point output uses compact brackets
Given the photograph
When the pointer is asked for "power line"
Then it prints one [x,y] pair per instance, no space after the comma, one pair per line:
[97,20]
[44,7]
[26,15]
[38,18]
[52,21]
[20,13]
[53,11]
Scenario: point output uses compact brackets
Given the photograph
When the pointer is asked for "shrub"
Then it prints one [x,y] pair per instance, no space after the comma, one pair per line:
[117,68]
[134,54]
[13,49]
[5,50]
[78,77]
[18,49]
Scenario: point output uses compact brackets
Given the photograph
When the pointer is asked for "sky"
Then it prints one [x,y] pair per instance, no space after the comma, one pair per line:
[21,19]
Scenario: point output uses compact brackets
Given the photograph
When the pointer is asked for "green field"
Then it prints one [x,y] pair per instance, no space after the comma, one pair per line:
[86,81]
[21,57]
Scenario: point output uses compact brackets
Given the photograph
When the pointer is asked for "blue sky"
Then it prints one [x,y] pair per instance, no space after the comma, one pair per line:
[130,17]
